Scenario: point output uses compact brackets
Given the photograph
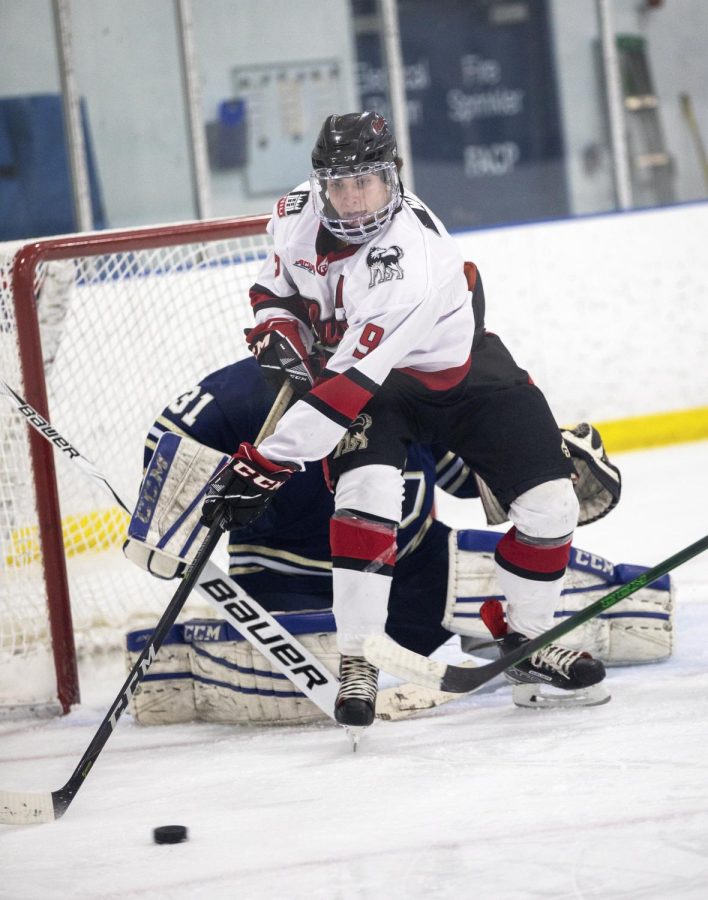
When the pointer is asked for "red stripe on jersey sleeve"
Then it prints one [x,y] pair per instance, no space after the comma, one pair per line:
[262,298]
[342,395]
[258,297]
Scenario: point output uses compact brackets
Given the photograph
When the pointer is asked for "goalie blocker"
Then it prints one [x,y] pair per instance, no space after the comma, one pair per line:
[207,672]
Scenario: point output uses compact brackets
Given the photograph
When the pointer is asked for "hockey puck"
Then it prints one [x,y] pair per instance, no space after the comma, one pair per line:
[169,834]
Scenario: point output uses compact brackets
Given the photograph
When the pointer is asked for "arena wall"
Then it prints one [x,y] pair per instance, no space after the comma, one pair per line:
[608,314]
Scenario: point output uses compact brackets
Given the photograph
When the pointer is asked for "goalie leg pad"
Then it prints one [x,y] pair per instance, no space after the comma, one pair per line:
[235,684]
[636,630]
[210,674]
[166,694]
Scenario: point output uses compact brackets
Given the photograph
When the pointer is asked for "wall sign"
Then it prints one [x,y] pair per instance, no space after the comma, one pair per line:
[482,105]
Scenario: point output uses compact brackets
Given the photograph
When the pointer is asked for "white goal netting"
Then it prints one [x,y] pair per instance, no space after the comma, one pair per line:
[123,332]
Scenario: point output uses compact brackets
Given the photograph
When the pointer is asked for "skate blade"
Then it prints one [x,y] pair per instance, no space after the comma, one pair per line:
[354,733]
[540,696]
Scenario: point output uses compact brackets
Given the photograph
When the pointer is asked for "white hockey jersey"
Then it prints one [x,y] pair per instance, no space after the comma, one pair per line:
[398,301]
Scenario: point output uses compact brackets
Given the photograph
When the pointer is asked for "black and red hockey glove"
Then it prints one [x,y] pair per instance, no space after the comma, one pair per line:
[281,352]
[246,485]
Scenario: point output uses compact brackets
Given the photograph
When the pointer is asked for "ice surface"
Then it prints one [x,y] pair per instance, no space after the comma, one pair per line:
[477,799]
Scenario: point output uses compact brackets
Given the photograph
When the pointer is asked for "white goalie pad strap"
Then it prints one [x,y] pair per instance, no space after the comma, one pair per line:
[597,487]
[227,680]
[164,533]
[636,630]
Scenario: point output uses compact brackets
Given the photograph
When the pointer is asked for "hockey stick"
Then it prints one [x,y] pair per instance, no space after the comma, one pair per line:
[19,808]
[403,701]
[22,808]
[234,605]
[381,651]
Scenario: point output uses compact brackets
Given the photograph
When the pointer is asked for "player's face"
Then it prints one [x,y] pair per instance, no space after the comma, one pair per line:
[357,196]
[355,204]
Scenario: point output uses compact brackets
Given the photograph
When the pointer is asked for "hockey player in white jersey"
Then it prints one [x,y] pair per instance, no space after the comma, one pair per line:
[368,271]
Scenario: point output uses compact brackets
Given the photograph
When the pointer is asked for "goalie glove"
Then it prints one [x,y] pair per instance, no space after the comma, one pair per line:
[246,484]
[278,346]
[599,483]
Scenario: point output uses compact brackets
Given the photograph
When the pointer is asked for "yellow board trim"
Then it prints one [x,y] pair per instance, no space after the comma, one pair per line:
[656,430]
[93,531]
[104,528]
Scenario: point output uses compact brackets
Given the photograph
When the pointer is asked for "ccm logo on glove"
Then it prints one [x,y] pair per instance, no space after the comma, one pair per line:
[244,487]
[239,467]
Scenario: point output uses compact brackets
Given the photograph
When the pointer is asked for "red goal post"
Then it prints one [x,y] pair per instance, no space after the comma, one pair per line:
[98,332]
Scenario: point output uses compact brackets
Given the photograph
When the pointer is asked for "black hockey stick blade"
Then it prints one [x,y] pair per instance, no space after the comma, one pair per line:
[381,651]
[18,808]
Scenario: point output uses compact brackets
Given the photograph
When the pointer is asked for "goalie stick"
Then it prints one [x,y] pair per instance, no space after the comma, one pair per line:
[252,621]
[234,605]
[23,808]
[381,651]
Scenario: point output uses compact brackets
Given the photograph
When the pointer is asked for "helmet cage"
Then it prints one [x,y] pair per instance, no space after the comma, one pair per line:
[359,228]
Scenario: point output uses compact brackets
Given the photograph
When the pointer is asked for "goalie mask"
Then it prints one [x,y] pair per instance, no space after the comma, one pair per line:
[354,184]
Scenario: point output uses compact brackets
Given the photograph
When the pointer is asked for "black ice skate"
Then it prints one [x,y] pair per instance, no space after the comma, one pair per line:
[355,706]
[575,674]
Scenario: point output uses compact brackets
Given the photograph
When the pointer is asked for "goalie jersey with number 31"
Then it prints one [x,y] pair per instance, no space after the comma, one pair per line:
[442,577]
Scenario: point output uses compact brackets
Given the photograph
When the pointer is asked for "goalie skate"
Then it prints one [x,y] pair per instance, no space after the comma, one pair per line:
[555,677]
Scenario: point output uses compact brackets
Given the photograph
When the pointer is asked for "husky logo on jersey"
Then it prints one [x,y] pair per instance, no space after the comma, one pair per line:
[292,203]
[355,438]
[383,262]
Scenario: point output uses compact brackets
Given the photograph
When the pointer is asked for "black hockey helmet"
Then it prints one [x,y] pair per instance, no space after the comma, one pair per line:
[353,139]
[354,157]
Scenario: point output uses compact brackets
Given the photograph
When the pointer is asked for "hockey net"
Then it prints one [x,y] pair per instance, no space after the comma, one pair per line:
[98,332]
